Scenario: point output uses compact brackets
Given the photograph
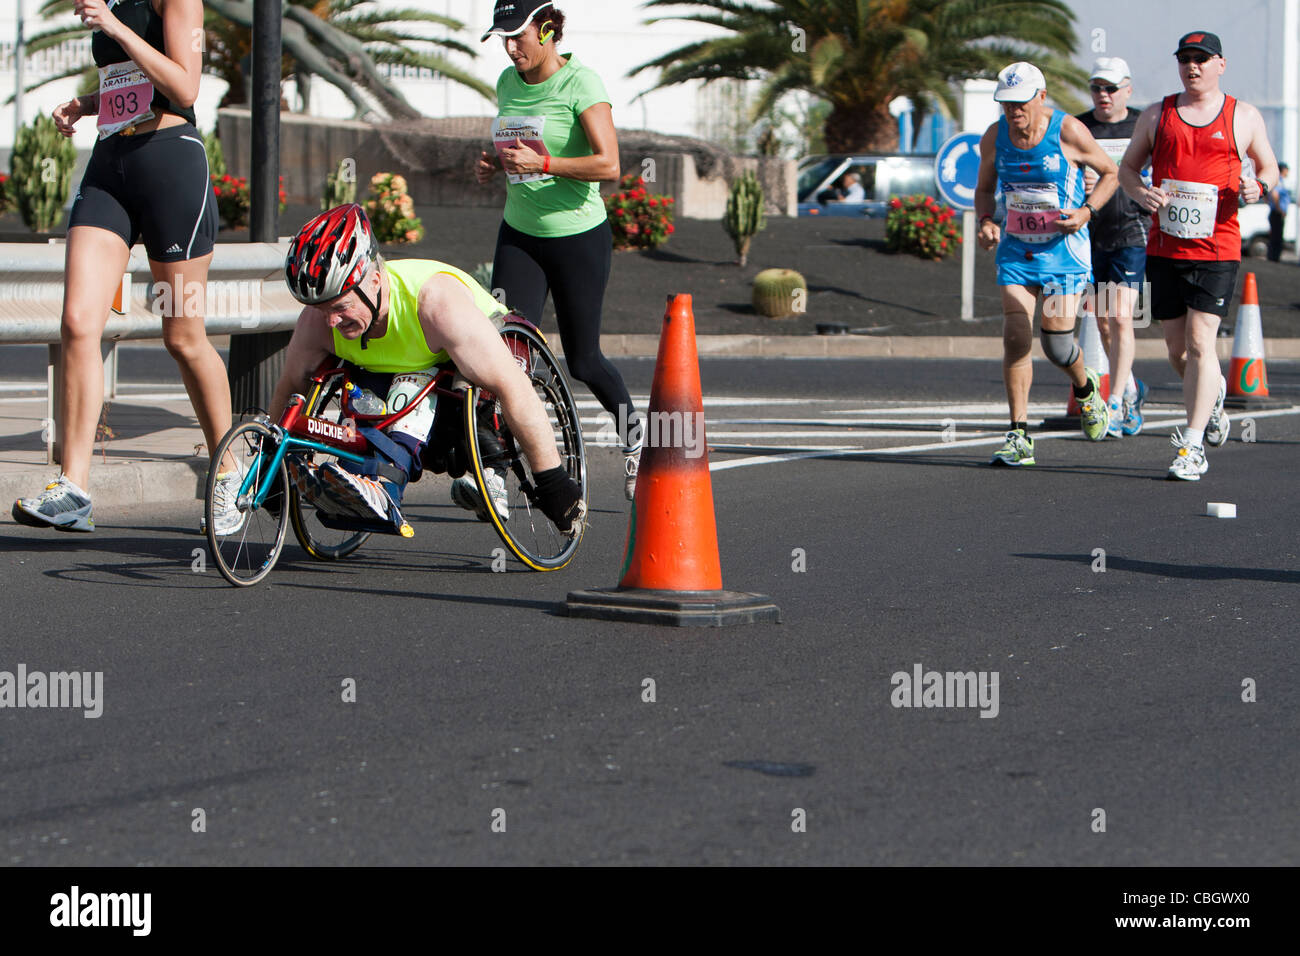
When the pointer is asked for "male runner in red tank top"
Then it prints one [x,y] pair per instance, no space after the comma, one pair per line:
[1195,141]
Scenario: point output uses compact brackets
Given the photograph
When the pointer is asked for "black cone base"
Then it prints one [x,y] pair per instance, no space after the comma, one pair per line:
[672,608]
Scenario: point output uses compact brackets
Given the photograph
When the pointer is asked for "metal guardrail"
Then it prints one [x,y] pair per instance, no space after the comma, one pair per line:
[245,293]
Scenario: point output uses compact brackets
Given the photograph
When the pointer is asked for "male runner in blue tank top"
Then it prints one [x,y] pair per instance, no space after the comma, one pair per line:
[1036,154]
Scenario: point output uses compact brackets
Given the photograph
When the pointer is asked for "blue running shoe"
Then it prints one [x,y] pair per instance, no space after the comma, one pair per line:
[1133,419]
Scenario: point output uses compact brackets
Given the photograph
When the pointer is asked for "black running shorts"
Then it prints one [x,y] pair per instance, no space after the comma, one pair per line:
[1181,284]
[153,186]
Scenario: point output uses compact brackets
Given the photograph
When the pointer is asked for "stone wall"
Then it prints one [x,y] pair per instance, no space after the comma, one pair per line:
[437,158]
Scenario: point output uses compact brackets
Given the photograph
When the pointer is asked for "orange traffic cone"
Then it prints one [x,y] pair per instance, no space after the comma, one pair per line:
[671,571]
[1247,376]
[1094,357]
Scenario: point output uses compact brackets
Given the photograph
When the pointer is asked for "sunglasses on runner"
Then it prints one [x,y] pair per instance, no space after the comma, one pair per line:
[1110,88]
[1197,58]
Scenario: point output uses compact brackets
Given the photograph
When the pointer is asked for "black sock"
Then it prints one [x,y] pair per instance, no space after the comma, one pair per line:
[1020,426]
[1082,391]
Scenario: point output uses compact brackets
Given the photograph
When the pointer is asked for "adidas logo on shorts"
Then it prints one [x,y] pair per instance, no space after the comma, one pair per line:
[174,248]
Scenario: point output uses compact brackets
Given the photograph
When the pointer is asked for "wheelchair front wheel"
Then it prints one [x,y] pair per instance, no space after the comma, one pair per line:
[247,552]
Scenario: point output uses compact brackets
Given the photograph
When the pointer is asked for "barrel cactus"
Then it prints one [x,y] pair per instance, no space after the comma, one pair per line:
[779,293]
[41,165]
[744,218]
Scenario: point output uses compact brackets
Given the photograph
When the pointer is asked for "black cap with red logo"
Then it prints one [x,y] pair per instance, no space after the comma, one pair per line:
[1200,40]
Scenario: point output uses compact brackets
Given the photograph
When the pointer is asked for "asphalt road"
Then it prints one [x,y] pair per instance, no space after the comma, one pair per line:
[1118,691]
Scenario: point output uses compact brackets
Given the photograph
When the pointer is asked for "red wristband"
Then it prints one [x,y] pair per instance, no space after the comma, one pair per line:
[546,165]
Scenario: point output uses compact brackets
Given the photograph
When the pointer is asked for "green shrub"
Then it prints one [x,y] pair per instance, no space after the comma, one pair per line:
[921,226]
[41,168]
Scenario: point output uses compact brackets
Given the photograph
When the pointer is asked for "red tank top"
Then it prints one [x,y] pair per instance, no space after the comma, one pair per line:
[1198,154]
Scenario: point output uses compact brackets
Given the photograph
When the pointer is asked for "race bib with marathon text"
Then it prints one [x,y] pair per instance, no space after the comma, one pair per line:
[418,422]
[124,97]
[1032,210]
[1191,210]
[525,130]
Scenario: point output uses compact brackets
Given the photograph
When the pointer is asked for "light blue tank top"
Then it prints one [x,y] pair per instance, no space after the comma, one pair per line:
[1037,183]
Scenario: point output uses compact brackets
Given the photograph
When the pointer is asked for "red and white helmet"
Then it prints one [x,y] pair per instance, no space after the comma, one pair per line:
[330,255]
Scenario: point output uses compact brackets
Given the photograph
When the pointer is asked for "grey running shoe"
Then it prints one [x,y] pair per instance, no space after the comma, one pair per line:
[62,505]
[1216,431]
[464,492]
[225,503]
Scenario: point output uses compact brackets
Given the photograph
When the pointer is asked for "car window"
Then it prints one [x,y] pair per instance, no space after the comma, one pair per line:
[810,177]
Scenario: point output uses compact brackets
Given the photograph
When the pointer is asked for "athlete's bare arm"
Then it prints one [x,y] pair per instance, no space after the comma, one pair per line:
[1136,158]
[311,344]
[1248,129]
[453,322]
[1082,149]
[986,189]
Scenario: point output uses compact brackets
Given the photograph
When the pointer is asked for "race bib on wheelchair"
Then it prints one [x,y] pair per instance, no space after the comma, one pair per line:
[1032,209]
[125,95]
[418,422]
[1191,211]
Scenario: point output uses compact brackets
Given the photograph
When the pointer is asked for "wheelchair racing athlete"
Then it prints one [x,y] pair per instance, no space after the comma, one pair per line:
[398,321]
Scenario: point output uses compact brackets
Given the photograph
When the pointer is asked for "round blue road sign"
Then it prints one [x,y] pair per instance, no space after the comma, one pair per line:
[957,170]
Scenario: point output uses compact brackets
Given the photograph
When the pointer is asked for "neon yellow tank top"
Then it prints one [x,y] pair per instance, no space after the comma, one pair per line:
[402,347]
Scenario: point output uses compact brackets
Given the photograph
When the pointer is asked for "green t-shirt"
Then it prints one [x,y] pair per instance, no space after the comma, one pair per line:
[545,116]
[403,347]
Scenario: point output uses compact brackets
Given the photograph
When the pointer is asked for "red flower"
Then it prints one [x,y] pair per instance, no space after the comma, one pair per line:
[653,203]
[930,221]
[668,200]
[671,230]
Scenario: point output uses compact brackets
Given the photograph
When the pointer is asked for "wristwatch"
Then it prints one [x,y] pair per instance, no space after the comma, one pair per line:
[1092,211]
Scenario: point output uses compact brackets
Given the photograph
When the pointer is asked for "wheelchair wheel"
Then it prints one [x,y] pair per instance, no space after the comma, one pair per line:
[322,543]
[248,552]
[527,532]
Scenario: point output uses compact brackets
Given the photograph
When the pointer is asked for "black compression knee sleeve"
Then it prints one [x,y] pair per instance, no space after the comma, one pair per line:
[1060,347]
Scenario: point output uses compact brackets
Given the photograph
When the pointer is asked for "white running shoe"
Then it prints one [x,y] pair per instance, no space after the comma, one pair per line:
[62,505]
[1189,464]
[226,515]
[464,492]
[1216,432]
[631,461]
[363,496]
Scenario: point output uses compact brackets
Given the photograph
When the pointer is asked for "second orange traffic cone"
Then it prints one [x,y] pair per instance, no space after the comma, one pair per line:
[1247,376]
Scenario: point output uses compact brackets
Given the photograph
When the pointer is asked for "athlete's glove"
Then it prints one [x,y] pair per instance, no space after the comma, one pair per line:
[560,498]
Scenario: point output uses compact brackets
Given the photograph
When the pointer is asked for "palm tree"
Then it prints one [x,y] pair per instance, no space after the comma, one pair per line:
[341,41]
[858,55]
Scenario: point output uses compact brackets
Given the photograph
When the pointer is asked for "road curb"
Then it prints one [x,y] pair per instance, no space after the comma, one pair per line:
[116,484]
[879,346]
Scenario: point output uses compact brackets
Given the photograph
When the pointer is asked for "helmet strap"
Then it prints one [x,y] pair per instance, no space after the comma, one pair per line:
[374,312]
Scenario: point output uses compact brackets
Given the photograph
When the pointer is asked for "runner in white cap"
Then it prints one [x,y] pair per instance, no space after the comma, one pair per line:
[1119,241]
[1036,153]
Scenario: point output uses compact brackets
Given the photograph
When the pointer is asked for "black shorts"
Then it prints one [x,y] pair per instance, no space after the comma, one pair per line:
[1181,284]
[151,185]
